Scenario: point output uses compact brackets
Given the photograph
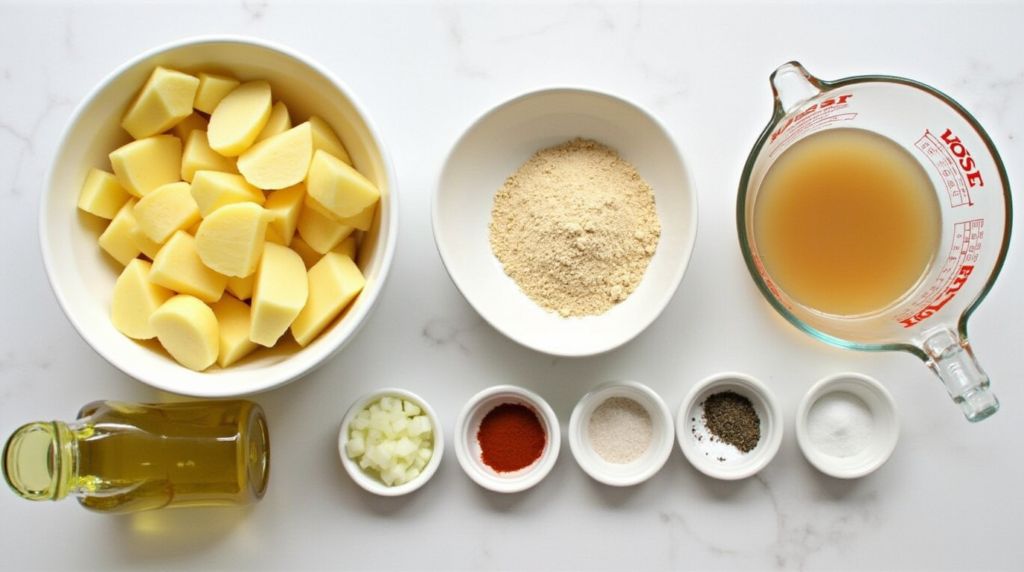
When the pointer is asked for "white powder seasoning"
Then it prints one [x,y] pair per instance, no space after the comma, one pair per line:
[840,424]
[620,430]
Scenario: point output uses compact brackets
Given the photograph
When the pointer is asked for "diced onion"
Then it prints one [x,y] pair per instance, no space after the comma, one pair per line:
[392,438]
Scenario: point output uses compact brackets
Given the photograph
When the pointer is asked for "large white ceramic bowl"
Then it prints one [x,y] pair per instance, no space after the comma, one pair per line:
[83,276]
[494,147]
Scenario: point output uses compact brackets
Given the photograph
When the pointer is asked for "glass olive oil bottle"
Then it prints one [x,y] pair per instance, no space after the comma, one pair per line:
[125,457]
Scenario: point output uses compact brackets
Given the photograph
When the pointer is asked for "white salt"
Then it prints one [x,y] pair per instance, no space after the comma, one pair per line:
[840,424]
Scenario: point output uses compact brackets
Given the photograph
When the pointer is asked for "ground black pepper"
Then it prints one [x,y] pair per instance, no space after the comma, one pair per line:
[732,419]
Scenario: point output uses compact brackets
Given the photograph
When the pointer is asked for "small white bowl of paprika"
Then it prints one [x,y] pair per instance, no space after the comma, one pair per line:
[507,438]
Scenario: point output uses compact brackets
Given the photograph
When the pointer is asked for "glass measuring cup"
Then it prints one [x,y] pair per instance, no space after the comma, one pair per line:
[970,183]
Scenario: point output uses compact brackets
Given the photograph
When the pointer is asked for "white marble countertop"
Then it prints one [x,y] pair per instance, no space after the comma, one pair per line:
[949,498]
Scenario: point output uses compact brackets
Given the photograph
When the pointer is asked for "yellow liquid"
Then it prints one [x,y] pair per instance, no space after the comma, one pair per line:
[140,457]
[846,222]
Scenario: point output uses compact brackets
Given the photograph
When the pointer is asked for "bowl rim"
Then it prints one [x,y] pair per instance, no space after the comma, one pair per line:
[636,471]
[315,355]
[474,467]
[764,451]
[885,411]
[366,481]
[690,233]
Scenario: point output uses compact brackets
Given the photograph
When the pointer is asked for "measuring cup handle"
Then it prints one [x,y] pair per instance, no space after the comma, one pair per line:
[792,85]
[951,358]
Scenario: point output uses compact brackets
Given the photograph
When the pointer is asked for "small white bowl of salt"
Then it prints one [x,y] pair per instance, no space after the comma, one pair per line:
[847,425]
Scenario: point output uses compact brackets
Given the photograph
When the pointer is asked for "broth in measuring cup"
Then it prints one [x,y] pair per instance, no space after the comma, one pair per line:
[846,222]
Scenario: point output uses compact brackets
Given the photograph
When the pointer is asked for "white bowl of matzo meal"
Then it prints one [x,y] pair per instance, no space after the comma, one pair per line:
[566,217]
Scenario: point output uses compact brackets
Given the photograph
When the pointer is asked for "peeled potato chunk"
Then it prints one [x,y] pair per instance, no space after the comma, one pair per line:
[230,240]
[199,156]
[116,239]
[279,294]
[278,122]
[333,282]
[285,205]
[164,100]
[101,194]
[188,125]
[177,266]
[169,208]
[212,89]
[320,231]
[146,164]
[239,118]
[363,220]
[135,299]
[338,187]
[241,288]
[279,161]
[325,138]
[214,189]
[187,328]
[233,319]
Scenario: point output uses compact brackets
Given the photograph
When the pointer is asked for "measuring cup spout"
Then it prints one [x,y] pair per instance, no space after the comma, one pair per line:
[792,85]
[952,359]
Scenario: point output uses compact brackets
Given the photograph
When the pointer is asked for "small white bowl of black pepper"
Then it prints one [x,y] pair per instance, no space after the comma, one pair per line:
[729,426]
[621,433]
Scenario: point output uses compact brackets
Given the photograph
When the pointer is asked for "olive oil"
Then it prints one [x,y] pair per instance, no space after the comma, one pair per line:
[122,457]
[846,222]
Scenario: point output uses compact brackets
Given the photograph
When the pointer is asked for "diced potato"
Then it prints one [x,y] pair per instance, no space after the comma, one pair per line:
[233,320]
[303,249]
[101,194]
[199,156]
[177,266]
[325,138]
[321,232]
[186,126]
[187,328]
[144,244]
[338,187]
[279,161]
[214,189]
[239,118]
[346,247]
[279,294]
[145,164]
[166,210]
[116,239]
[230,239]
[278,122]
[135,299]
[363,220]
[212,89]
[164,100]
[334,282]
[285,205]
[241,288]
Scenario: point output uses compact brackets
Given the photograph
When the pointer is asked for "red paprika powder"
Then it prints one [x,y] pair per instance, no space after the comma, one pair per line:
[511,437]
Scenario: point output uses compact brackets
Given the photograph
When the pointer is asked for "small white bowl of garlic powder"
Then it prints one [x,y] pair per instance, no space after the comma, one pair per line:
[567,218]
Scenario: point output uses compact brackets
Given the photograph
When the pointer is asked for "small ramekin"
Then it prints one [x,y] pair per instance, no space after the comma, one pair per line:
[885,430]
[372,482]
[467,446]
[638,470]
[720,460]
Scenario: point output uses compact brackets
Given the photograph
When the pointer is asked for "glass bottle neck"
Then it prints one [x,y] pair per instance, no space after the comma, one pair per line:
[40,461]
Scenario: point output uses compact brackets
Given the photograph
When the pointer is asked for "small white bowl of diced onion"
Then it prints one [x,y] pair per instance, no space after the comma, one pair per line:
[391,442]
